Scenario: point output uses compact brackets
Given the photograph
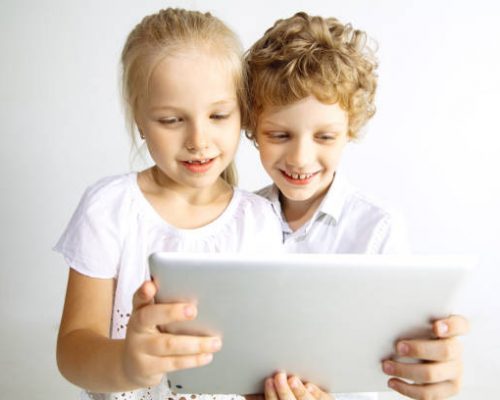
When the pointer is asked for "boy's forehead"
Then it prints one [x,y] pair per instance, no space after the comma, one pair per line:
[309,107]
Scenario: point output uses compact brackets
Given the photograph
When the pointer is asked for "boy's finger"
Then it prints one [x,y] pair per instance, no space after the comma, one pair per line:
[144,295]
[424,373]
[430,349]
[317,393]
[454,325]
[298,389]
[269,390]
[442,390]
[282,389]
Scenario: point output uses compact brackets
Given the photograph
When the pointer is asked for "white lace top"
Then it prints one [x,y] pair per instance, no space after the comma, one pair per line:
[114,229]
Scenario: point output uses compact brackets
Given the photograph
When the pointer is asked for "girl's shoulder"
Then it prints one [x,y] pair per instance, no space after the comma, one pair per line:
[110,189]
[253,202]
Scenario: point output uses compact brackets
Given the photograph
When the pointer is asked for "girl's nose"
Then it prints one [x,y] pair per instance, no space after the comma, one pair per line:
[197,138]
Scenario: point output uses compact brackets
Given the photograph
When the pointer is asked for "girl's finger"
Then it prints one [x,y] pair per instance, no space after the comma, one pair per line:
[442,390]
[144,295]
[454,325]
[174,363]
[171,345]
[424,373]
[430,349]
[148,317]
[269,390]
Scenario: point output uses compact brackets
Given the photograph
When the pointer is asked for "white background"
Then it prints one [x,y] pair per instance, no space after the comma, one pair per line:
[431,149]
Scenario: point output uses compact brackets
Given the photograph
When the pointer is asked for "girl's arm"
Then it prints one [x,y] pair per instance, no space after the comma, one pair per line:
[87,357]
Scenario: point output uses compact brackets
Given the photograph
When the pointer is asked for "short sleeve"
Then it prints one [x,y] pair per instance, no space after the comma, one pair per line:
[91,242]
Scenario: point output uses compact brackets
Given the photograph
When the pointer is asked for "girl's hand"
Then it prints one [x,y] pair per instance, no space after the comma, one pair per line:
[281,387]
[438,375]
[149,353]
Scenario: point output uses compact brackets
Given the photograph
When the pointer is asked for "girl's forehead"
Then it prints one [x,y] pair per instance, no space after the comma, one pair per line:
[190,78]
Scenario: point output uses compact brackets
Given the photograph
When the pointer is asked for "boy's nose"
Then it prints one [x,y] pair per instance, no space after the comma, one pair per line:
[300,155]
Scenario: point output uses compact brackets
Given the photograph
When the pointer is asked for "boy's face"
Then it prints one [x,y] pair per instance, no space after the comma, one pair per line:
[300,146]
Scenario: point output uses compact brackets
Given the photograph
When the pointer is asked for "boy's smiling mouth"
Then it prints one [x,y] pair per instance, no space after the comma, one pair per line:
[298,178]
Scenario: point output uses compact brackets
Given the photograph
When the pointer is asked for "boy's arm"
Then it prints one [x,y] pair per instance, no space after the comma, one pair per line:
[439,373]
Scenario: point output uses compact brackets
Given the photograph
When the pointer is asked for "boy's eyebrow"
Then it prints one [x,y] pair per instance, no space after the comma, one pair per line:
[323,127]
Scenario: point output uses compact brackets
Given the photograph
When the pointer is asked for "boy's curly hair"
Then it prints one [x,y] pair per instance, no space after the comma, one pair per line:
[307,55]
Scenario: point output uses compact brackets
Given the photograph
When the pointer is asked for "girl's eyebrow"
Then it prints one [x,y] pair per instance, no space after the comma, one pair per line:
[168,107]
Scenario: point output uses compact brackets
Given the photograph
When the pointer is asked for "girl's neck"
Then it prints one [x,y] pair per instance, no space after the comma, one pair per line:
[184,207]
[163,186]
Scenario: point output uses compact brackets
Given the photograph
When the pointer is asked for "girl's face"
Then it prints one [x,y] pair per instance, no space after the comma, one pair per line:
[190,119]
[300,146]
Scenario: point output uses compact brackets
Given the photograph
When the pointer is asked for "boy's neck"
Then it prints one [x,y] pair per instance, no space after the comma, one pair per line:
[298,212]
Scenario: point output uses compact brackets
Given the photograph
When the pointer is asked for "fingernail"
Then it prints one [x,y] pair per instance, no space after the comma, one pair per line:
[388,368]
[189,311]
[391,384]
[310,388]
[207,357]
[294,383]
[216,344]
[442,328]
[282,378]
[269,383]
[403,349]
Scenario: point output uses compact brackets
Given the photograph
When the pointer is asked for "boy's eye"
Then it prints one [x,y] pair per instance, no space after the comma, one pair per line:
[277,135]
[170,120]
[219,116]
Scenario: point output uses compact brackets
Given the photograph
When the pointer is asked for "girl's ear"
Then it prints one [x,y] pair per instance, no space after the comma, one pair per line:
[139,128]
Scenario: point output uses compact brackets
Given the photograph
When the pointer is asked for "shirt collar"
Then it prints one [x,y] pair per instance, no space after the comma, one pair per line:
[335,198]
[331,205]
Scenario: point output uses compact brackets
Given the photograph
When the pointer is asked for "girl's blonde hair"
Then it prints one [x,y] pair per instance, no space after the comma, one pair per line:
[304,55]
[167,33]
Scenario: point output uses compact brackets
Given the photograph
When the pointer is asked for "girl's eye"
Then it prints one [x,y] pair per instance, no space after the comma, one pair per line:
[170,120]
[327,136]
[219,116]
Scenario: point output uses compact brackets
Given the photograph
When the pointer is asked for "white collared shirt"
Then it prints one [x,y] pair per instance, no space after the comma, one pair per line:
[346,222]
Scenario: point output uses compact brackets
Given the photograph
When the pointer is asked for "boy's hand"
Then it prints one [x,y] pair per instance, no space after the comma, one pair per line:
[438,375]
[148,353]
[281,387]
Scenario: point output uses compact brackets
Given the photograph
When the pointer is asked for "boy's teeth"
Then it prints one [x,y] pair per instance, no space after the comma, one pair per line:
[294,175]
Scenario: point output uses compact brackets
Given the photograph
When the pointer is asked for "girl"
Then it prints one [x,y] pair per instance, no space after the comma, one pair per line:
[312,85]
[183,85]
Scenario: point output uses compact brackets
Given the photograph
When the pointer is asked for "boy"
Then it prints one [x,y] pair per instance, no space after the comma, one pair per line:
[311,88]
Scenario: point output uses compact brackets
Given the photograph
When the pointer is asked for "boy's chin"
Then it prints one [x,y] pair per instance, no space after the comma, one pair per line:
[298,194]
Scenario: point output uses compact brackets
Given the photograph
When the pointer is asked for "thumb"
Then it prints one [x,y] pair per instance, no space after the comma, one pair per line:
[144,295]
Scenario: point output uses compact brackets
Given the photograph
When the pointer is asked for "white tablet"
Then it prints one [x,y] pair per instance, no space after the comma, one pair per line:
[327,318]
